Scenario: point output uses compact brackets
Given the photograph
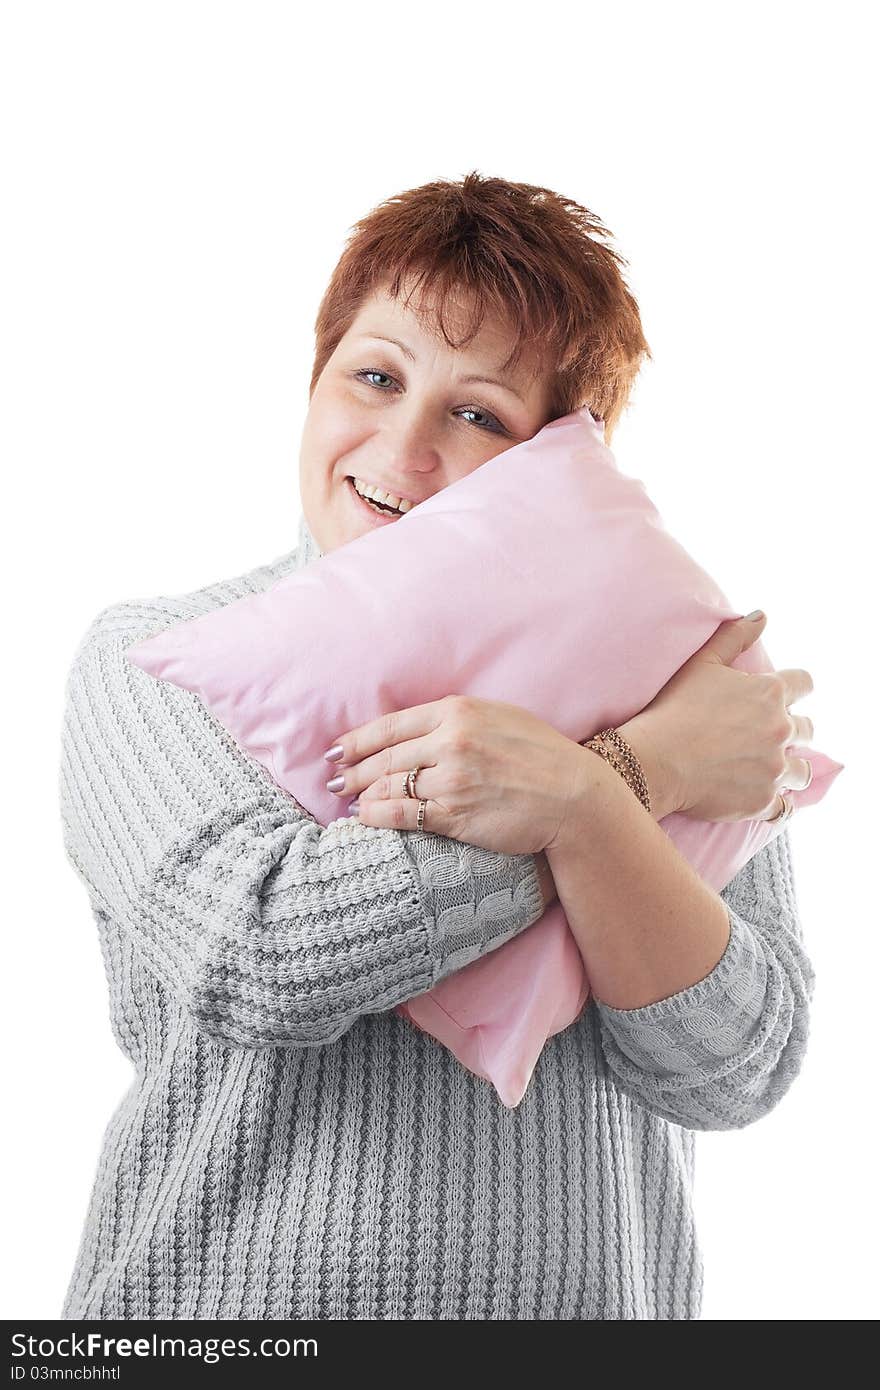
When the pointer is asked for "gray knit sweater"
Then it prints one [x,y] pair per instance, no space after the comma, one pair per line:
[289,1147]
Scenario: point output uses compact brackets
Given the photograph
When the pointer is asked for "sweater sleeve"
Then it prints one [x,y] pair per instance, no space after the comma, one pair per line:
[723,1052]
[270,929]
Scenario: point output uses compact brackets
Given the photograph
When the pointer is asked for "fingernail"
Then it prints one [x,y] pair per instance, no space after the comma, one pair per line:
[753,617]
[334,754]
[354,807]
[336,784]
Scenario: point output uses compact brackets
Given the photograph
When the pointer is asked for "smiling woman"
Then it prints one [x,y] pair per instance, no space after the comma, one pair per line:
[394,410]
[460,319]
[290,1147]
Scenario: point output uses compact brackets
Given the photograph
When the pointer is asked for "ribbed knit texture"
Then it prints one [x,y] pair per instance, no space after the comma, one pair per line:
[289,1147]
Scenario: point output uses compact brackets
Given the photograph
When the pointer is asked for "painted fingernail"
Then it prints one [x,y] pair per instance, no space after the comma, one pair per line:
[753,617]
[336,784]
[334,754]
[354,807]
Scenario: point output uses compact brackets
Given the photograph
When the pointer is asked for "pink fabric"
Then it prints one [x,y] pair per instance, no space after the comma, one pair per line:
[545,578]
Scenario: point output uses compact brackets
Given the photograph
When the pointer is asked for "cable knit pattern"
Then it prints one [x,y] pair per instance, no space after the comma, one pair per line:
[288,1146]
[723,1052]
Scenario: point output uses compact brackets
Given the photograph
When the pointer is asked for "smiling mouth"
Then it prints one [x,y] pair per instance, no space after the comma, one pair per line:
[379,507]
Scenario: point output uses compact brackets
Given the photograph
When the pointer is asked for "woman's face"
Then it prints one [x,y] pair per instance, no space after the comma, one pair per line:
[405,418]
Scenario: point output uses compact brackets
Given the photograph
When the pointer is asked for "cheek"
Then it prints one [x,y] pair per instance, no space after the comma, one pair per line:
[331,435]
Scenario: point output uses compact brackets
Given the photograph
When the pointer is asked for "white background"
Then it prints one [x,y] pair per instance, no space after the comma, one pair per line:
[178,181]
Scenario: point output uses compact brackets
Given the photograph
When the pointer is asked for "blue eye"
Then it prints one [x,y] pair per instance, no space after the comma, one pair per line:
[495,427]
[372,371]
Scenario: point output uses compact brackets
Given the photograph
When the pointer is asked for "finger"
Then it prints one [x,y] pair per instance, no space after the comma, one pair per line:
[770,812]
[392,788]
[388,729]
[400,814]
[386,768]
[797,684]
[798,774]
[801,730]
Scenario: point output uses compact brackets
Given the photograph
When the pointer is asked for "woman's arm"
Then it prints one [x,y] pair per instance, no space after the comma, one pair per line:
[270,929]
[702,1000]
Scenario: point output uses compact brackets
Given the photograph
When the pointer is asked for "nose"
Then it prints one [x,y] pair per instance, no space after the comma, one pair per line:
[408,453]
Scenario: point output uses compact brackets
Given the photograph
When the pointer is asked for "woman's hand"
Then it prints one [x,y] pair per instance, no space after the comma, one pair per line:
[717,736]
[493,774]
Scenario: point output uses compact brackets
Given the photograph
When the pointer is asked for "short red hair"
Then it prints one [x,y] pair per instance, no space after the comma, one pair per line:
[533,257]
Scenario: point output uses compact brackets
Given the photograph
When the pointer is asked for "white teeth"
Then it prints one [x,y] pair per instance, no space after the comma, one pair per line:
[376,494]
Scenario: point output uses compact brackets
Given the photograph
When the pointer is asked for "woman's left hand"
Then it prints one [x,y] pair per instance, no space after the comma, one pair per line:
[493,774]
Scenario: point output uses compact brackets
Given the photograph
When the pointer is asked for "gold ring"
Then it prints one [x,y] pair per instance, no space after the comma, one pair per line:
[420,819]
[409,782]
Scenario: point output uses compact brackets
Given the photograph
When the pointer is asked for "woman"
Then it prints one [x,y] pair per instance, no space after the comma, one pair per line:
[290,1147]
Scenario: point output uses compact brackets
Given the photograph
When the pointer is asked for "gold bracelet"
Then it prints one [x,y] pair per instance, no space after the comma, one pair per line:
[623,760]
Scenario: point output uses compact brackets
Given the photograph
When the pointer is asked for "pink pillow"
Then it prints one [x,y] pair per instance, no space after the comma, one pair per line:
[545,578]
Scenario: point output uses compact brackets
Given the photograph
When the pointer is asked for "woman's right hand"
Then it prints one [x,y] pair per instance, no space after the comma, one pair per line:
[716,737]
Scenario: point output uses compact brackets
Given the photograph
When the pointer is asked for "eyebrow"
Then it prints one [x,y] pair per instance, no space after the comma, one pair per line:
[474,376]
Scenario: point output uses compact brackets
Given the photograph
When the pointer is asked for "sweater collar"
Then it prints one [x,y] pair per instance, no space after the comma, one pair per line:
[292,561]
[307,548]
